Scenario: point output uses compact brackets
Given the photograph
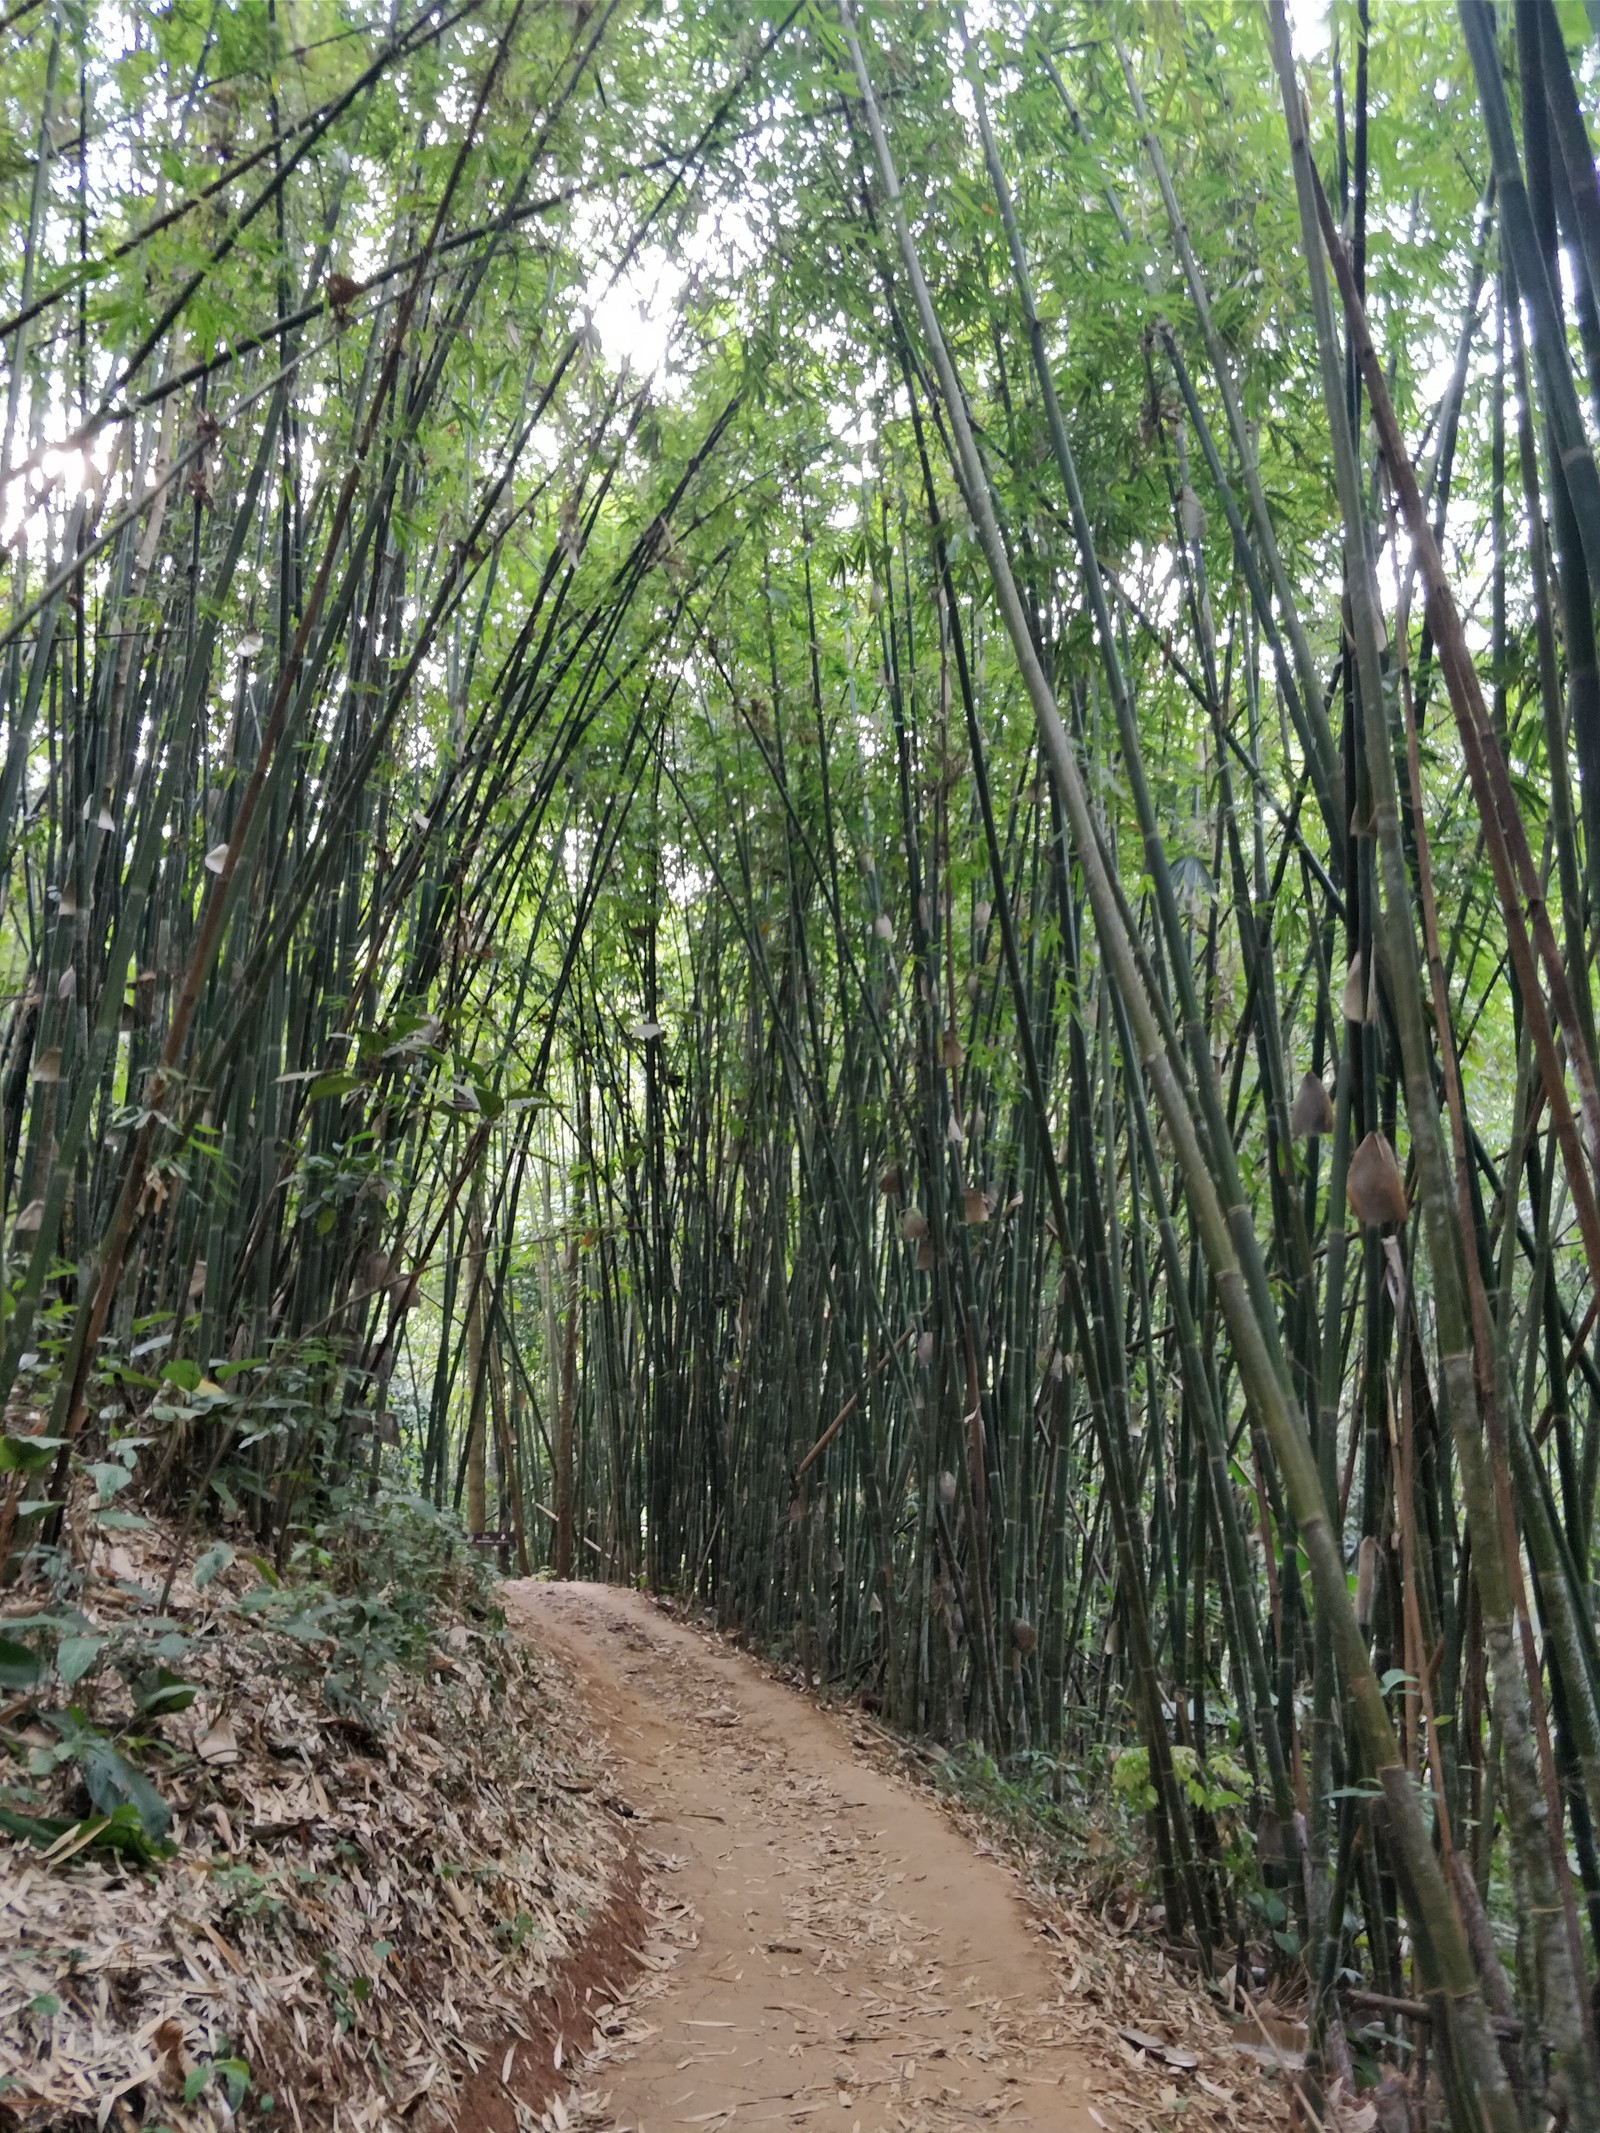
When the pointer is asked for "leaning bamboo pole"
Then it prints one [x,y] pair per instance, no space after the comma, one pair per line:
[1471,2053]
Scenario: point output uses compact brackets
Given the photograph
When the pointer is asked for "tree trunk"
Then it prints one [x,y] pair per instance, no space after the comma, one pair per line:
[569,1387]
[477,1376]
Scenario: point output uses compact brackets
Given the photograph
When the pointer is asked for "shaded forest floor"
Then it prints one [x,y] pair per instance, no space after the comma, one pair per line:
[350,1863]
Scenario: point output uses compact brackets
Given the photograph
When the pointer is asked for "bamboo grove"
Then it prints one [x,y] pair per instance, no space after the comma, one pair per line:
[924,971]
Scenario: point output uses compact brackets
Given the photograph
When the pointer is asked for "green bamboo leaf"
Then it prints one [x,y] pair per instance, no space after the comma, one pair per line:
[76,1655]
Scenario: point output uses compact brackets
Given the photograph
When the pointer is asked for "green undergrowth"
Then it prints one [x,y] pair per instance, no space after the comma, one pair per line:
[109,1637]
[1084,1827]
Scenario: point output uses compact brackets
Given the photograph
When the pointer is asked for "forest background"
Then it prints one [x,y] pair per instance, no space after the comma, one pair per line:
[813,810]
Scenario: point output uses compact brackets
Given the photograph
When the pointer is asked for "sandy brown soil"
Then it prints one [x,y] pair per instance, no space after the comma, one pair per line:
[858,1967]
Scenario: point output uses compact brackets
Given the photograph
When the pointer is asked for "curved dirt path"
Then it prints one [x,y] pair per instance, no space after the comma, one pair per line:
[859,1968]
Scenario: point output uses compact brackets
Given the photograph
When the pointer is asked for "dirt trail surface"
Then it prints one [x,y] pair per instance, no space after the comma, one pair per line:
[859,1968]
